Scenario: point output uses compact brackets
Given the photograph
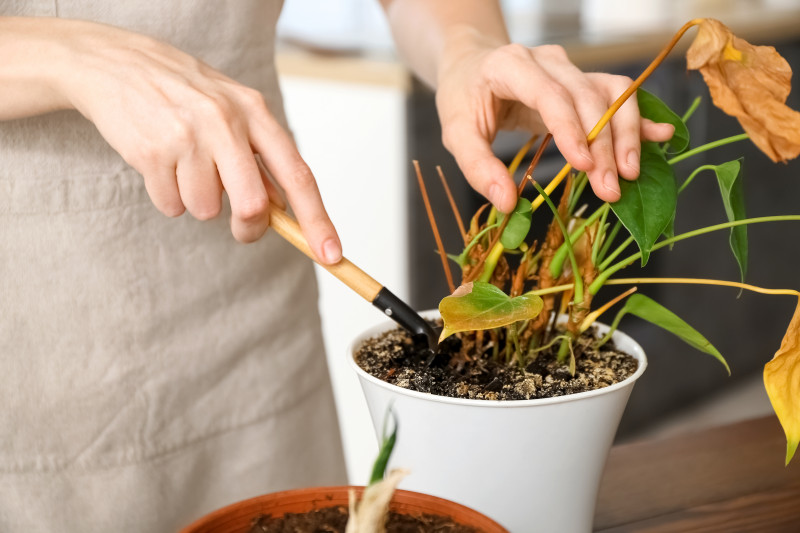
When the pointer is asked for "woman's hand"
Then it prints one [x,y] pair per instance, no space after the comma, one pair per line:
[189,130]
[484,87]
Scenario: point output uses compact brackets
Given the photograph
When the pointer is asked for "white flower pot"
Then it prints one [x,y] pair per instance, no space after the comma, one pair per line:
[532,465]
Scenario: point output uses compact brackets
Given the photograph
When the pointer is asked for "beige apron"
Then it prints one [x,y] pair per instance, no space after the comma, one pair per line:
[151,369]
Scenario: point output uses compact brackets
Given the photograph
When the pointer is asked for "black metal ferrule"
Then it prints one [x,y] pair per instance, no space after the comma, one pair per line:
[403,314]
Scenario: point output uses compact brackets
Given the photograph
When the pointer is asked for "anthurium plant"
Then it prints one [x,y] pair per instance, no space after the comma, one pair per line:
[512,290]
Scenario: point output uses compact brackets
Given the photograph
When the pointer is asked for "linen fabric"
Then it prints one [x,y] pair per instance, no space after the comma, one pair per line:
[151,369]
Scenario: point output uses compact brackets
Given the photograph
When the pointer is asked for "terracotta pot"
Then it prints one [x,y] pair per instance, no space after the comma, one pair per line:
[238,517]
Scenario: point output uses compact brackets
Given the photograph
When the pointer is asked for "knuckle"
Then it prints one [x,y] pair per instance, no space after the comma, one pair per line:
[253,208]
[553,51]
[301,177]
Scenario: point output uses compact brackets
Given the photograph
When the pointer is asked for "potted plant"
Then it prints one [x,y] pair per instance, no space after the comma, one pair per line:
[522,324]
[376,508]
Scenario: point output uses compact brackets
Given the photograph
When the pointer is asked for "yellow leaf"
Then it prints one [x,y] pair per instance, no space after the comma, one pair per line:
[782,381]
[750,83]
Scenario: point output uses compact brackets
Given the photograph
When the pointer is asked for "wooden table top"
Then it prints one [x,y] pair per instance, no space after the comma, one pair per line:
[731,478]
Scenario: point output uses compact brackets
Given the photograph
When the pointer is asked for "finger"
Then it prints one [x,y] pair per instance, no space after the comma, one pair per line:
[484,172]
[590,104]
[551,98]
[162,187]
[280,156]
[656,131]
[199,186]
[248,196]
[625,128]
[275,196]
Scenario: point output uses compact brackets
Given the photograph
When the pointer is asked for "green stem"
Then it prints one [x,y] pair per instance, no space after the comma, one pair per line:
[557,263]
[692,108]
[607,273]
[697,171]
[577,190]
[602,227]
[621,248]
[577,279]
[473,242]
[708,146]
[609,240]
[491,262]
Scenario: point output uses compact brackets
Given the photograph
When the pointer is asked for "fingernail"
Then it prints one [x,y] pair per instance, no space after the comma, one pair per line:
[611,183]
[633,160]
[331,251]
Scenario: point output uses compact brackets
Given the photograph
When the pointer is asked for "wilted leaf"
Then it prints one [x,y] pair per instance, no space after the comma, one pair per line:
[647,205]
[479,305]
[750,83]
[782,381]
[729,177]
[651,106]
[655,313]
[518,225]
[369,515]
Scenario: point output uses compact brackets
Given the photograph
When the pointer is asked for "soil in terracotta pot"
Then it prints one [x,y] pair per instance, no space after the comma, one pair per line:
[334,520]
[398,359]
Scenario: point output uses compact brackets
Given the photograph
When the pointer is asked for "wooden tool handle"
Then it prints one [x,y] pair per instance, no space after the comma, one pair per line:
[347,272]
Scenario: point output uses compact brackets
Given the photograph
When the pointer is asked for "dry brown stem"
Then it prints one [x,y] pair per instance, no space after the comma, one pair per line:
[442,253]
[453,205]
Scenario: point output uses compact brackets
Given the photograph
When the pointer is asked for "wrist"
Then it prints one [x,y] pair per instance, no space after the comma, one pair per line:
[35,67]
[462,43]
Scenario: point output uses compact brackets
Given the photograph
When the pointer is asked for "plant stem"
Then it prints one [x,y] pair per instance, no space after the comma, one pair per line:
[576,273]
[594,315]
[609,240]
[491,262]
[701,281]
[556,181]
[557,263]
[615,253]
[707,146]
[603,277]
[602,227]
[442,253]
[697,171]
[476,239]
[692,108]
[453,205]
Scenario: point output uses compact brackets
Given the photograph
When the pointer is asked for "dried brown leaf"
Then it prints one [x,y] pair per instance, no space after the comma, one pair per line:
[750,83]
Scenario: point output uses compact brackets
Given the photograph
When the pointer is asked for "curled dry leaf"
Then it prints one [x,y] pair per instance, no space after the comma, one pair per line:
[369,515]
[782,381]
[750,83]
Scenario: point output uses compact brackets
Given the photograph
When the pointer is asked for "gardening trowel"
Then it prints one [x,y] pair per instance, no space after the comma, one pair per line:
[358,280]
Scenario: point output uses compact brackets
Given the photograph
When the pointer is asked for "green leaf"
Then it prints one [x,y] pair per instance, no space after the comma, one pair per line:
[385,452]
[647,206]
[518,225]
[729,177]
[650,106]
[478,305]
[655,313]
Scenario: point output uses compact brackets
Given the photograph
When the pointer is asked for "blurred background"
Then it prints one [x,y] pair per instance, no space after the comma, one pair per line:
[360,118]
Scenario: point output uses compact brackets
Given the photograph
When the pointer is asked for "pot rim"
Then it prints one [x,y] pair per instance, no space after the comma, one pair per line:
[403,501]
[377,329]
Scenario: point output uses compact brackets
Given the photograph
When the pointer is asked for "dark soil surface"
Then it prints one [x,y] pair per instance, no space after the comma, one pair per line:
[397,359]
[334,520]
